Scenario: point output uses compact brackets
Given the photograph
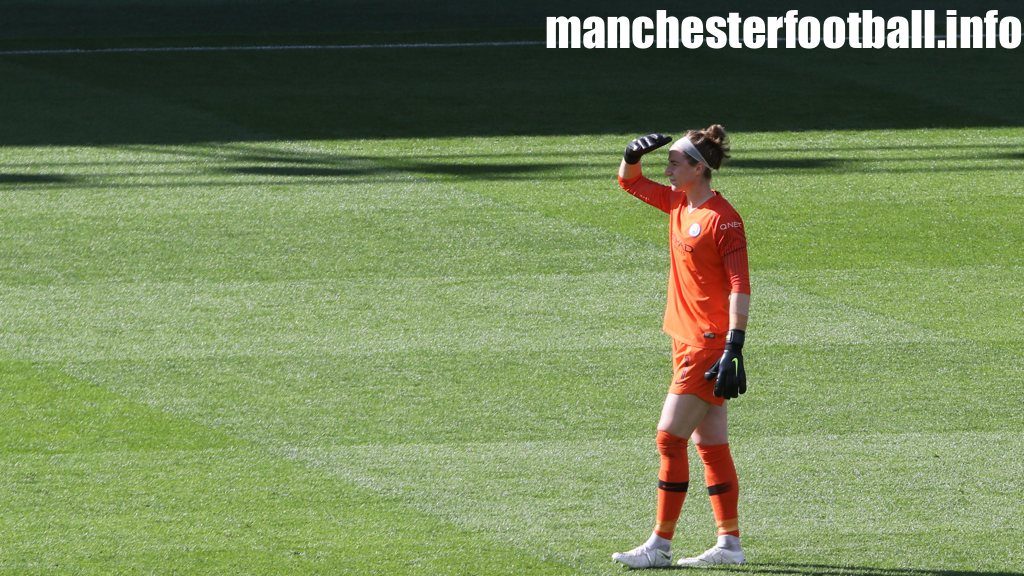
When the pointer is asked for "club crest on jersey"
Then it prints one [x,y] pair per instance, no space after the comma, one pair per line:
[695,230]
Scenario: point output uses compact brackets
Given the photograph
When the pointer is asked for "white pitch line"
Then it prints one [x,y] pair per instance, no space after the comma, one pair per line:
[276,48]
[269,48]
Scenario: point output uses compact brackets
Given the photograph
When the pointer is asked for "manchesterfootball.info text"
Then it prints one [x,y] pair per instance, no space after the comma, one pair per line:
[862,29]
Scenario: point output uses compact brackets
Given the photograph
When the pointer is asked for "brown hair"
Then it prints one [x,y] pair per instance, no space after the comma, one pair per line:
[713,144]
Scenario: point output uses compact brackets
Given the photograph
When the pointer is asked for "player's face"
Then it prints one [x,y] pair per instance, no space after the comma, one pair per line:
[681,174]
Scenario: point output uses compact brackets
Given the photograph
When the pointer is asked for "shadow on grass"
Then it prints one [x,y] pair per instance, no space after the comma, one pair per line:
[831,164]
[471,171]
[1009,156]
[837,570]
[464,166]
[299,171]
[263,166]
[36,179]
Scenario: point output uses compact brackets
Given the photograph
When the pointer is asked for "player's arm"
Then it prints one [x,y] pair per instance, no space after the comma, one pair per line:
[739,310]
[631,177]
[629,171]
[729,373]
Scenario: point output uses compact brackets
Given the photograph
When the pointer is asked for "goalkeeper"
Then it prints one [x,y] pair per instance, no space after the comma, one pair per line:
[706,316]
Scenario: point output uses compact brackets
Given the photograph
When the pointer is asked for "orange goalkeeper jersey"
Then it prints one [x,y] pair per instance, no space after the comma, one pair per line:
[708,261]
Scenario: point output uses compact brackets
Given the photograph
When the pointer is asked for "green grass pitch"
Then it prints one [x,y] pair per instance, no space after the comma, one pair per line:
[241,334]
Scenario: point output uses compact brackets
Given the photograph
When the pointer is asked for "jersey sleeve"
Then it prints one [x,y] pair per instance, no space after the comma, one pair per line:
[731,242]
[657,195]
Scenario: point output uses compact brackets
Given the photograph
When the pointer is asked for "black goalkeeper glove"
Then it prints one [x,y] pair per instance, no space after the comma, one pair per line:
[643,145]
[728,373]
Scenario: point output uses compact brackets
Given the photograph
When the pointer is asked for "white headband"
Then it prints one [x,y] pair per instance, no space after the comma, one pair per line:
[686,147]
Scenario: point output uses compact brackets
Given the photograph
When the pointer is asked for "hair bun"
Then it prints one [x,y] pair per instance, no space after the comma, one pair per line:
[716,134]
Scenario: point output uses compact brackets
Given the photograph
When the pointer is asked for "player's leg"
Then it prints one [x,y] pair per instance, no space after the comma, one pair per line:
[679,416]
[711,438]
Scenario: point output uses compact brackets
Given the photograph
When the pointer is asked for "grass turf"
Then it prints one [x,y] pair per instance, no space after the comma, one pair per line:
[248,329]
[442,356]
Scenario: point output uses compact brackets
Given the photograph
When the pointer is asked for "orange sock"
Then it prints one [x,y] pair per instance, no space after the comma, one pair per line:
[723,486]
[673,480]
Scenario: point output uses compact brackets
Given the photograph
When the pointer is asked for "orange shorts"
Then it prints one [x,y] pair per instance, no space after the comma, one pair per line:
[688,366]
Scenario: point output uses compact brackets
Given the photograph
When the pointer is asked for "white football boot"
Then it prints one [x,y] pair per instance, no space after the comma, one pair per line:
[714,557]
[644,556]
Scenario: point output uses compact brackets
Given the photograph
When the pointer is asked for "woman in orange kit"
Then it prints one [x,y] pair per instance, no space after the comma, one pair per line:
[706,317]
